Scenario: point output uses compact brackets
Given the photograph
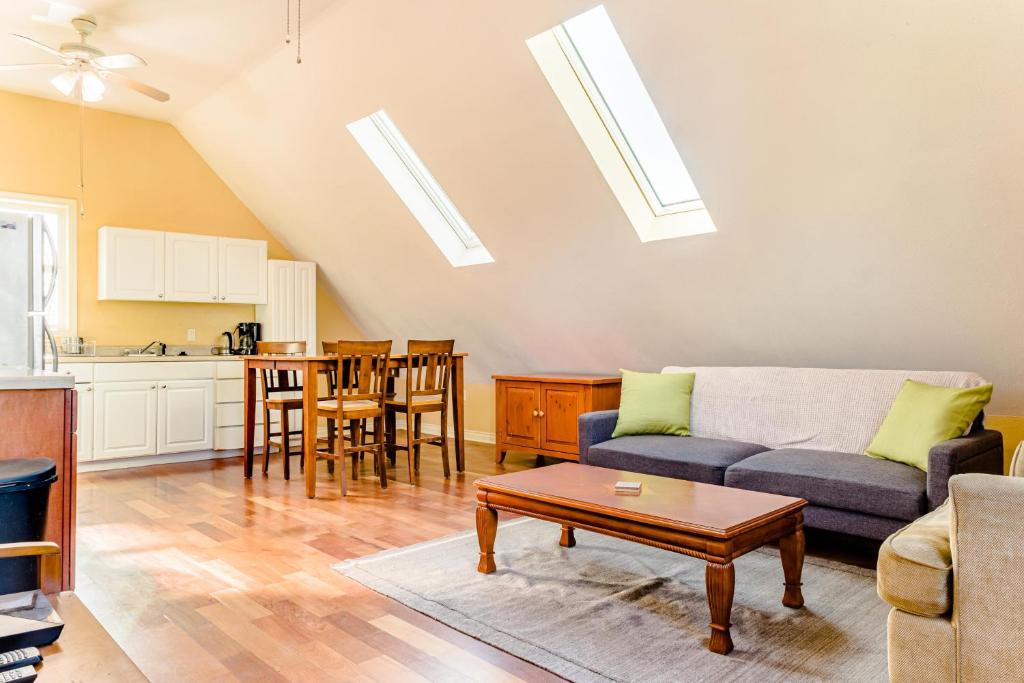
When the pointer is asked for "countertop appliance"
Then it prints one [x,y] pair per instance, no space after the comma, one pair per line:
[28,277]
[243,341]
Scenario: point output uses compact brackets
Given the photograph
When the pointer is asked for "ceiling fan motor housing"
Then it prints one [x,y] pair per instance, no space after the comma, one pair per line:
[81,50]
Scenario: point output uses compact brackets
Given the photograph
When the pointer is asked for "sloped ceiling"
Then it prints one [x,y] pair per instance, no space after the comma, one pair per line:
[861,162]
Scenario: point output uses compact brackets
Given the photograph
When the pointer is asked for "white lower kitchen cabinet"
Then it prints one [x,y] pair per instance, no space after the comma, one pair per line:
[86,412]
[185,416]
[125,419]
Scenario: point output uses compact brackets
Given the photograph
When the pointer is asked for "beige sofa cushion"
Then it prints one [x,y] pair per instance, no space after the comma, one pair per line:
[813,408]
[915,566]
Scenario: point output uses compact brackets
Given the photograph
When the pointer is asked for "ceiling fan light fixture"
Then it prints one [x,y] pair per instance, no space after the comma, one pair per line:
[93,87]
[65,82]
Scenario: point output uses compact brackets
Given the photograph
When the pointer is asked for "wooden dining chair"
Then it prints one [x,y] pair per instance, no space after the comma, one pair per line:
[360,387]
[281,382]
[426,391]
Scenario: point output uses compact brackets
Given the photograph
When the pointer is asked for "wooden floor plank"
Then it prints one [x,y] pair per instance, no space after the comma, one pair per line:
[201,575]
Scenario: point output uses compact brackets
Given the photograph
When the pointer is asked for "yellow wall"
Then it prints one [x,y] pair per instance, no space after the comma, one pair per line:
[143,174]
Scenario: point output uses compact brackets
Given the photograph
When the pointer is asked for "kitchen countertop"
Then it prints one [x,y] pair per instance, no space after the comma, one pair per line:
[142,359]
[18,378]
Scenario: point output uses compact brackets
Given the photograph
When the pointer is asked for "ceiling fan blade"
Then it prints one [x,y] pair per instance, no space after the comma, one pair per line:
[121,61]
[147,90]
[19,67]
[37,44]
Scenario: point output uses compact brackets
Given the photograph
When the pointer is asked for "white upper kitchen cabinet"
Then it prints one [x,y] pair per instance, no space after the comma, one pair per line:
[290,313]
[131,264]
[191,266]
[185,416]
[242,271]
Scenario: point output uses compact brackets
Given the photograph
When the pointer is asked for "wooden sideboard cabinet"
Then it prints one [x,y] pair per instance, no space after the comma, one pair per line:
[539,413]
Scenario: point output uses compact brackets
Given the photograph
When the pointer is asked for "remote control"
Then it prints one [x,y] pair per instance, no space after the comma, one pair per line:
[26,656]
[24,674]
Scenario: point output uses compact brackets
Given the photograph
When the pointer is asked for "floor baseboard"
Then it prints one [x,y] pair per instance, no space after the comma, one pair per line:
[146,460]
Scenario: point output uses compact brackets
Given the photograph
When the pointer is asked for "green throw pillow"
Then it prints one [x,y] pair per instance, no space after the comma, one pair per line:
[923,415]
[653,403]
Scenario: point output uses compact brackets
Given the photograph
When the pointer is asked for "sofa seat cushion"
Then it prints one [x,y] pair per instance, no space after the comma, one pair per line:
[848,481]
[915,566]
[681,457]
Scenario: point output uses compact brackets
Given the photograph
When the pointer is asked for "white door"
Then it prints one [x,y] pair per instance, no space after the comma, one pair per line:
[305,304]
[131,264]
[278,318]
[185,415]
[243,271]
[191,267]
[85,421]
[124,419]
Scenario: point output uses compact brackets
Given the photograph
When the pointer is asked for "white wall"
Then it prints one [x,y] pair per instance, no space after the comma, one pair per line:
[861,162]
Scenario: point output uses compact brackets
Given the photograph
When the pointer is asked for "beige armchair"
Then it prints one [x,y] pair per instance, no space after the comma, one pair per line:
[955,584]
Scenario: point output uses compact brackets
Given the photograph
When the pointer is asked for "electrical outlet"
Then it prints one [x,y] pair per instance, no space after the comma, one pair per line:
[190,334]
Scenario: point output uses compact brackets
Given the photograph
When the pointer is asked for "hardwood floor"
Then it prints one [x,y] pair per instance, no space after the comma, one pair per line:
[201,576]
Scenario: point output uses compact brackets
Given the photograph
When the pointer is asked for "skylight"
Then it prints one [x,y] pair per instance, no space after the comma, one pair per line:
[591,72]
[391,153]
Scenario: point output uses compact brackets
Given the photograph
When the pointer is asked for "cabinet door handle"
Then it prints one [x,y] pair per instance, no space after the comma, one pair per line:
[540,413]
[88,388]
[153,387]
[159,296]
[163,386]
[223,297]
[214,297]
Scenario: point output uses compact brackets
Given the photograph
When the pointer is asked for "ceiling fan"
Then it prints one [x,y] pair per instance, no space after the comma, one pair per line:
[84,68]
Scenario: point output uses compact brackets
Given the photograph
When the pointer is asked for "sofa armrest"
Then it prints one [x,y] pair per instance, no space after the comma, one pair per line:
[595,428]
[986,516]
[981,451]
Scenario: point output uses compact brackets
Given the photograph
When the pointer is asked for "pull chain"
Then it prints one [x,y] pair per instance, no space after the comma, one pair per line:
[298,27]
[81,156]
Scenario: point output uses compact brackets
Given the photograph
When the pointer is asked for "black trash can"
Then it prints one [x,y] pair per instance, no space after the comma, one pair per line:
[24,498]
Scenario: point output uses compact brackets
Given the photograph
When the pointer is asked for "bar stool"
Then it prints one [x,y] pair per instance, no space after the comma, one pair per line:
[279,382]
[426,391]
[360,386]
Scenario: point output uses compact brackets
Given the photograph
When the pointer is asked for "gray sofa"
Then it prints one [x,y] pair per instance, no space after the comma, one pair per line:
[801,432]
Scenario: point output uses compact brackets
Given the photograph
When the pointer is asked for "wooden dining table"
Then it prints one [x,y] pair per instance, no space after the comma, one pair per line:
[311,367]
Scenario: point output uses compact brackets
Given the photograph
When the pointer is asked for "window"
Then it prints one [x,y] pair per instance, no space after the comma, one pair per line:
[60,218]
[591,72]
[417,188]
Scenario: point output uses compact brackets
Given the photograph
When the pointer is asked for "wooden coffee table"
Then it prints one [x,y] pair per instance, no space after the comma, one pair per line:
[713,523]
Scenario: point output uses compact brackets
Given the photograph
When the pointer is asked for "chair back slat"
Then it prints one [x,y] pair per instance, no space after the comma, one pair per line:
[281,380]
[331,349]
[429,370]
[362,370]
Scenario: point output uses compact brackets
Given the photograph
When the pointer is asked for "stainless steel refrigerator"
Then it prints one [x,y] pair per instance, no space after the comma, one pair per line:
[28,277]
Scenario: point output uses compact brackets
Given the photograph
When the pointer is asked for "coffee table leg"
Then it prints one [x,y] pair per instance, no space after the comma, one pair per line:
[791,548]
[568,539]
[720,580]
[486,530]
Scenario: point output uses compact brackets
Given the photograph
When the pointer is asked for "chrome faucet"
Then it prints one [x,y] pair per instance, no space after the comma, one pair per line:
[160,351]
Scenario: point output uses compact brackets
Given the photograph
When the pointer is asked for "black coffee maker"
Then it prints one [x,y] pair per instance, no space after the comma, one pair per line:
[243,341]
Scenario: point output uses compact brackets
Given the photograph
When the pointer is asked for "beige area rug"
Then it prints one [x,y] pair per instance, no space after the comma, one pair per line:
[611,610]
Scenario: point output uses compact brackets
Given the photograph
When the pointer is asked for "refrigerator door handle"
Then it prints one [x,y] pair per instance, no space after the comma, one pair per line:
[56,267]
[53,346]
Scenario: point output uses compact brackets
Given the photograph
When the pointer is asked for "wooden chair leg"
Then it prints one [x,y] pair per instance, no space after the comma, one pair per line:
[378,454]
[355,442]
[339,452]
[391,426]
[266,435]
[444,445]
[288,458]
[330,444]
[417,435]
